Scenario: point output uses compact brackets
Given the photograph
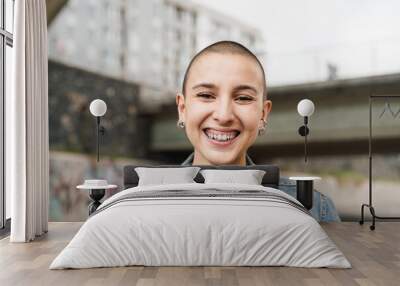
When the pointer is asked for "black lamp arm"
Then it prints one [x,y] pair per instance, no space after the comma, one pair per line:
[304,131]
[100,131]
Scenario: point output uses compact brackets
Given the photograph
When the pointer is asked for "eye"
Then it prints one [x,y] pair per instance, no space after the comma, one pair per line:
[205,95]
[244,98]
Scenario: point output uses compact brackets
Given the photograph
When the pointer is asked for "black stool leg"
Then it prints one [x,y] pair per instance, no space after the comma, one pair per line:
[305,193]
[96,195]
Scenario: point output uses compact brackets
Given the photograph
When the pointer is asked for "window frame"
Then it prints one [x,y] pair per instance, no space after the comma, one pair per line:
[6,39]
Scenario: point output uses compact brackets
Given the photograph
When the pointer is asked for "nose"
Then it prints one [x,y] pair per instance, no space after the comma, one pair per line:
[223,112]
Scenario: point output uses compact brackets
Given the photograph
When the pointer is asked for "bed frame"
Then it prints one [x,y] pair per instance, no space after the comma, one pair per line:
[270,179]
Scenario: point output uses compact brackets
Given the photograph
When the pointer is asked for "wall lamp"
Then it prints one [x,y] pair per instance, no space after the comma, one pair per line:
[98,108]
[305,108]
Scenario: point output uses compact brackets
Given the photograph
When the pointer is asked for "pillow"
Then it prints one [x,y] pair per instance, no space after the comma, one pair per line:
[249,177]
[160,176]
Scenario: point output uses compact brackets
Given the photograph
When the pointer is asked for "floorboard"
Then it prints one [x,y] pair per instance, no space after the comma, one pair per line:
[374,255]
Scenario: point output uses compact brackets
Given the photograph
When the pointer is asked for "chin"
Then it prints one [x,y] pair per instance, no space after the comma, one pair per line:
[222,158]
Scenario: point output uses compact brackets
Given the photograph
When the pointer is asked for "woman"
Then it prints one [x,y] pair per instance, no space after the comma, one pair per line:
[223,104]
[223,107]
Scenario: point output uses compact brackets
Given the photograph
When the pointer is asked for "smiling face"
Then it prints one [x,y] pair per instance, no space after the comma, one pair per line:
[223,107]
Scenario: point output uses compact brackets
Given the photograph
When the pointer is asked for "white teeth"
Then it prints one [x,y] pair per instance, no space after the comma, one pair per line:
[220,137]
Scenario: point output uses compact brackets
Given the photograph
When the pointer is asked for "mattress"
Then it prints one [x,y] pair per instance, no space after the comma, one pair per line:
[201,225]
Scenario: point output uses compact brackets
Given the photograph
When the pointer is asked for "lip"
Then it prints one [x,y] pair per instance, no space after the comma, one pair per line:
[219,143]
[221,129]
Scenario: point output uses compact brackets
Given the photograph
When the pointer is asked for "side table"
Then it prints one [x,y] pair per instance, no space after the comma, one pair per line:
[97,190]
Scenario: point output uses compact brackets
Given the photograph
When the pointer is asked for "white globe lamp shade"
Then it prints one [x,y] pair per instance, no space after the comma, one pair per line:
[98,107]
[305,107]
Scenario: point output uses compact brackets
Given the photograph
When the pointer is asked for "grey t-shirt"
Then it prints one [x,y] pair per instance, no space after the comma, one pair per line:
[189,160]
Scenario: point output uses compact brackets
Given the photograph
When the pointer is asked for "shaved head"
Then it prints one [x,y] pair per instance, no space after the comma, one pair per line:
[225,47]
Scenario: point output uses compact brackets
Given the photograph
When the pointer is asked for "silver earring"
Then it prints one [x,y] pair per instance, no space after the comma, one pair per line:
[261,130]
[180,124]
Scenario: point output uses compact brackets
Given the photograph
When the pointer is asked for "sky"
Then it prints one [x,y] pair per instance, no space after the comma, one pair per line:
[302,37]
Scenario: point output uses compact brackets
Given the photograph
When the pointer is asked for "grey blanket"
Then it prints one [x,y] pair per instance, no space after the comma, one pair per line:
[235,225]
[206,194]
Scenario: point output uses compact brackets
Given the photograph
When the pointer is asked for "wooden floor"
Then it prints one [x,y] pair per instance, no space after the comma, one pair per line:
[374,255]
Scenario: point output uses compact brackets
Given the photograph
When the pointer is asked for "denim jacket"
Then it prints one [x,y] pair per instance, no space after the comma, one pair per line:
[323,209]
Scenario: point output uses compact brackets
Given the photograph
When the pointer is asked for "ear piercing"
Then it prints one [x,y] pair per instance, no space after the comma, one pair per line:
[261,130]
[180,124]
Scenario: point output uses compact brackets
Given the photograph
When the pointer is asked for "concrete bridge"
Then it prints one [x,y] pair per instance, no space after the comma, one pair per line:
[339,125]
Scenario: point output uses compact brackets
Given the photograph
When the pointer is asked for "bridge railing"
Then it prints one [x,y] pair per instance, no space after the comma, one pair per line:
[339,61]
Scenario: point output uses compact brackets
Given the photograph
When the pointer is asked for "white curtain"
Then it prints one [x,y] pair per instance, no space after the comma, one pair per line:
[27,144]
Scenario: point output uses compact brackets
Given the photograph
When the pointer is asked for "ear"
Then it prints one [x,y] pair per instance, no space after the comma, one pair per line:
[267,106]
[180,103]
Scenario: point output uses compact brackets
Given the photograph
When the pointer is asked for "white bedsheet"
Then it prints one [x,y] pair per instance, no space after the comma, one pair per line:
[200,231]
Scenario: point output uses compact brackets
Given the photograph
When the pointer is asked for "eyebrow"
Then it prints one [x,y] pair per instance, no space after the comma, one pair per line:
[237,88]
[204,84]
[245,87]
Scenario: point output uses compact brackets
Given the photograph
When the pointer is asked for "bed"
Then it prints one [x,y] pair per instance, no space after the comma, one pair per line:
[201,224]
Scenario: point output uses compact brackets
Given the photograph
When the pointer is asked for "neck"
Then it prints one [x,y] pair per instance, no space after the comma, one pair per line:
[198,159]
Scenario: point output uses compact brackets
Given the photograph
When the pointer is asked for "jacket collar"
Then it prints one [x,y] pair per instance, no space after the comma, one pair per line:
[189,160]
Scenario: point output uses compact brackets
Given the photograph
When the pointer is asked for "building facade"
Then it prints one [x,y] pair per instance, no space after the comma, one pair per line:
[149,42]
